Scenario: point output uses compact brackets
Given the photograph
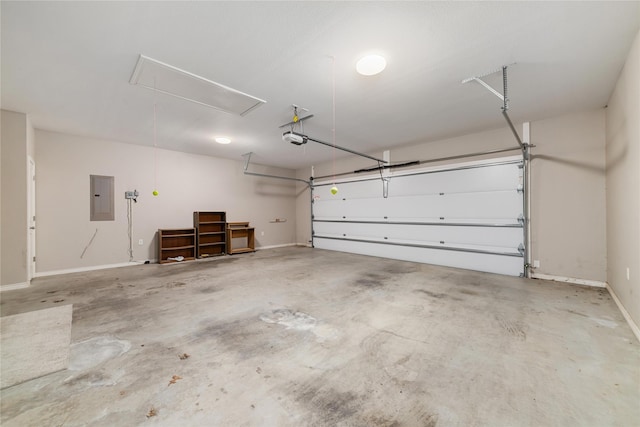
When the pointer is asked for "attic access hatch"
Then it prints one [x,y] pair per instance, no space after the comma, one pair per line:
[165,78]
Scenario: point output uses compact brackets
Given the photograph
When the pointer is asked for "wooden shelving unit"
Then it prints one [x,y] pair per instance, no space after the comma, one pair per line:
[237,230]
[176,242]
[211,236]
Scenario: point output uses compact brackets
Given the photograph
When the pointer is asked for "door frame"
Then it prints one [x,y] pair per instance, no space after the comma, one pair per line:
[31,219]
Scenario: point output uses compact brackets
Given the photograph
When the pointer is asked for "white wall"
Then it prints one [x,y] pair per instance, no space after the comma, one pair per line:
[568,207]
[623,185]
[567,183]
[13,260]
[186,183]
[31,141]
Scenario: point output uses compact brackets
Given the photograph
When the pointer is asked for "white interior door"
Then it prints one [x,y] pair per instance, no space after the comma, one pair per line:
[31,212]
[466,215]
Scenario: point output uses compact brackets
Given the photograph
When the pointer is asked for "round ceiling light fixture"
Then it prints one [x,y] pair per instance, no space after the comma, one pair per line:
[222,140]
[371,65]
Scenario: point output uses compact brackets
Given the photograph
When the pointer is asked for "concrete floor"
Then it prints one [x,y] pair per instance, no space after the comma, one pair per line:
[306,337]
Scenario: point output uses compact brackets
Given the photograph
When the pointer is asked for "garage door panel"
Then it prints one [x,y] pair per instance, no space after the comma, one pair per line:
[471,261]
[506,237]
[440,214]
[461,181]
[486,205]
[478,179]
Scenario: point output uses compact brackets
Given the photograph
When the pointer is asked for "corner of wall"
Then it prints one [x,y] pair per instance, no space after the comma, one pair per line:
[13,252]
[623,184]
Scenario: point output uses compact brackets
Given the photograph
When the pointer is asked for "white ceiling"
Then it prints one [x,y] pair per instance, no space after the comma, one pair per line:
[68,65]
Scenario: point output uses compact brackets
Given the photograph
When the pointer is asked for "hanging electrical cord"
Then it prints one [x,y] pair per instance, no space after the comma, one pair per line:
[296,121]
[155,148]
[295,114]
[380,167]
[334,189]
[130,228]
[155,141]
[304,149]
[89,244]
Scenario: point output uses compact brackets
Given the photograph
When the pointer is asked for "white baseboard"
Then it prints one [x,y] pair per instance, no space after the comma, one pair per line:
[14,286]
[83,269]
[625,313]
[597,284]
[571,280]
[123,264]
[276,246]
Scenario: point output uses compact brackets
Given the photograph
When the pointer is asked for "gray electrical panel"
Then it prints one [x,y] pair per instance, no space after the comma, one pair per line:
[102,198]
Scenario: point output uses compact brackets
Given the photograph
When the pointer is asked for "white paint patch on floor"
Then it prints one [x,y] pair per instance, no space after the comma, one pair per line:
[290,319]
[604,322]
[92,352]
[301,322]
[326,333]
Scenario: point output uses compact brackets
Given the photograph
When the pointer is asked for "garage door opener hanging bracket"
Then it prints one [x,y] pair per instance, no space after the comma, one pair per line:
[247,157]
[505,104]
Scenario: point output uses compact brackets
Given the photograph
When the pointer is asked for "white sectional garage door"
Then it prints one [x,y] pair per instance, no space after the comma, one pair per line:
[467,216]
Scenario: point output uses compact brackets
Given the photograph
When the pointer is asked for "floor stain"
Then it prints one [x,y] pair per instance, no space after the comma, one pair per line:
[94,351]
[438,295]
[174,379]
[176,285]
[245,338]
[431,294]
[380,421]
[400,268]
[330,406]
[512,328]
[192,267]
[152,412]
[576,312]
[371,280]
[430,420]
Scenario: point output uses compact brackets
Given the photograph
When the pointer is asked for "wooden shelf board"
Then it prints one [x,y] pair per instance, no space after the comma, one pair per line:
[171,261]
[241,250]
[174,248]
